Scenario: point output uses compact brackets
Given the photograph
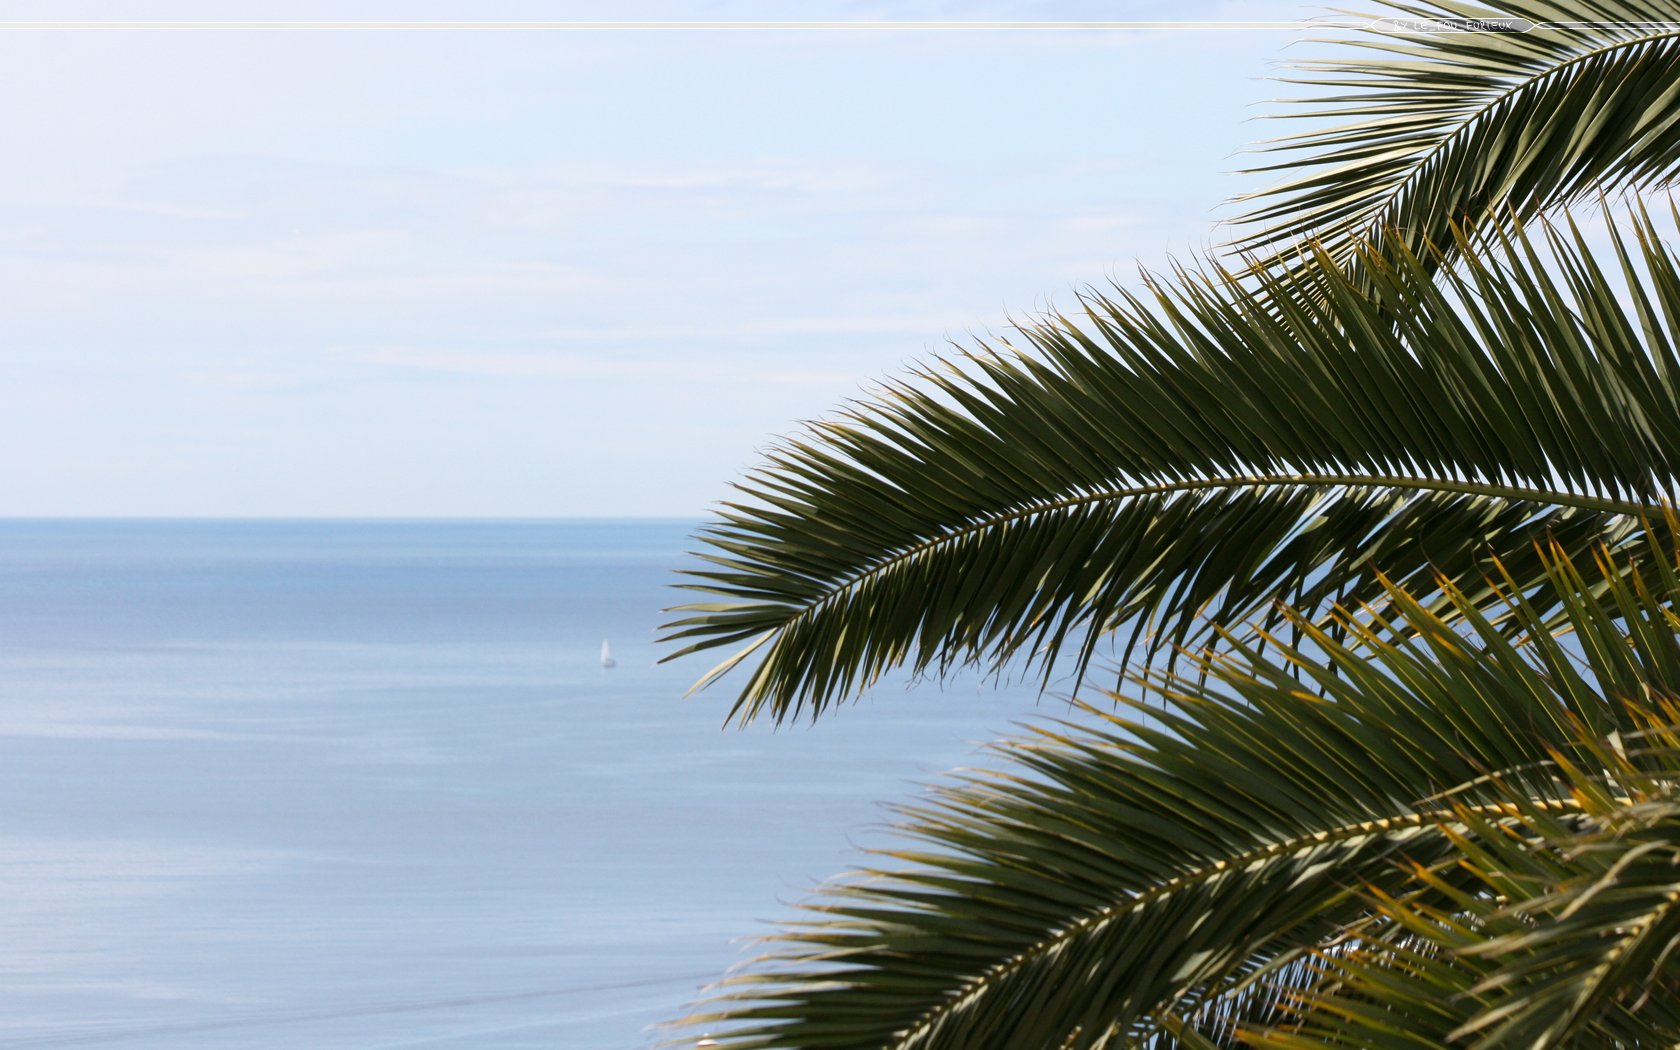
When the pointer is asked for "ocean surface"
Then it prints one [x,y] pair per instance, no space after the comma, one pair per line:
[366,785]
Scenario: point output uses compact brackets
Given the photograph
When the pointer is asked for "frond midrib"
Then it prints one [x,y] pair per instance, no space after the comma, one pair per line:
[1625,938]
[976,985]
[1461,131]
[1553,497]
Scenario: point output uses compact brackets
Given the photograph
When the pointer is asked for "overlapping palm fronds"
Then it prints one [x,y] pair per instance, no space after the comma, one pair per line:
[1146,882]
[1420,131]
[1209,442]
[1556,924]
[1431,822]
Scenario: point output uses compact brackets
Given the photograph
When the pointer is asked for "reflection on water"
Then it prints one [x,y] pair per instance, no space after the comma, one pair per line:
[366,785]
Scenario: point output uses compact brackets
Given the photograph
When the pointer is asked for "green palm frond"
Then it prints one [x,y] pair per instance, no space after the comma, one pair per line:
[1207,444]
[1560,927]
[1116,878]
[1422,131]
[1266,995]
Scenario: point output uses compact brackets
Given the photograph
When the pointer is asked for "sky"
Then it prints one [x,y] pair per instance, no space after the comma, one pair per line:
[405,272]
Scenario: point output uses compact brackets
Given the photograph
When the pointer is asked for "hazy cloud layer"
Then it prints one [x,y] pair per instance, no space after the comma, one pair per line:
[463,272]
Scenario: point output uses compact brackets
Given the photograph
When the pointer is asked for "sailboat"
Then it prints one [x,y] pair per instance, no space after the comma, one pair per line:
[606,655]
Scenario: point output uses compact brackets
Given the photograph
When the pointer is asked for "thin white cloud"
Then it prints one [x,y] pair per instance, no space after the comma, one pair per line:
[765,175]
[289,257]
[86,200]
[1106,223]
[504,365]
[910,324]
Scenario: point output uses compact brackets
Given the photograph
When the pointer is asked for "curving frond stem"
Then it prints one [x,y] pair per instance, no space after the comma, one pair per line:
[1553,930]
[1207,445]
[1114,882]
[1417,132]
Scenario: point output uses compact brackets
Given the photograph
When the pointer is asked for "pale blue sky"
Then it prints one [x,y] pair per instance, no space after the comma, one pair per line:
[385,272]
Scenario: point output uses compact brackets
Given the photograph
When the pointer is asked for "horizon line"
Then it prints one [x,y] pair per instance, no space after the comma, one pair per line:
[484,518]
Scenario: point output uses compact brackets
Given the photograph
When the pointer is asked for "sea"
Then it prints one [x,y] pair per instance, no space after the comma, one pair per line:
[367,785]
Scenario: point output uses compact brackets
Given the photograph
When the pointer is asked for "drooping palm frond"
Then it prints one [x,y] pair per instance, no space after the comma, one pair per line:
[1115,877]
[1209,442]
[1422,131]
[1560,927]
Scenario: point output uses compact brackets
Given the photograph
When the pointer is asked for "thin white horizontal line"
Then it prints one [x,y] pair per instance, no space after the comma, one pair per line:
[1388,24]
[1299,24]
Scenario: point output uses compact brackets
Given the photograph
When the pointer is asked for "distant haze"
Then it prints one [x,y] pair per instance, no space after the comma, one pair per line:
[471,272]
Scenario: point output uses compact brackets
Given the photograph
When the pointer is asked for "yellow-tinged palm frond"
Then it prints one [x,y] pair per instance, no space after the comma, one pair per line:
[1139,881]
[1554,923]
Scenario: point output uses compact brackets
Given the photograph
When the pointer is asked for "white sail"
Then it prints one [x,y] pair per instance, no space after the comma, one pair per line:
[606,655]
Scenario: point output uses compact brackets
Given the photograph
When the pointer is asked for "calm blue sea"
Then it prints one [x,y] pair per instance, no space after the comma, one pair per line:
[366,785]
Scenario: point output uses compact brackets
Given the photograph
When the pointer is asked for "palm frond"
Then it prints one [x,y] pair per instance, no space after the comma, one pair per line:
[1417,132]
[1207,444]
[1560,928]
[1118,879]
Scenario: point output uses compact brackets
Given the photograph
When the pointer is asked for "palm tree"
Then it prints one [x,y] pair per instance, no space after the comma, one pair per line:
[1349,480]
